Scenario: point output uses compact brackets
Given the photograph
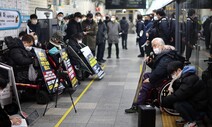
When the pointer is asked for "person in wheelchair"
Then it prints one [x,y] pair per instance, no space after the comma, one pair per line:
[21,56]
[163,56]
[54,46]
[188,93]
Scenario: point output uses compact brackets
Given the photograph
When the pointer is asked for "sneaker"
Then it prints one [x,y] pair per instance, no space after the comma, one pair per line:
[108,57]
[192,124]
[102,61]
[133,109]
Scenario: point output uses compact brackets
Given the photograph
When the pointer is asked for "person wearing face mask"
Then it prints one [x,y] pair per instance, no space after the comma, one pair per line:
[90,27]
[34,26]
[54,46]
[188,93]
[5,119]
[21,56]
[74,26]
[158,64]
[100,38]
[61,23]
[113,31]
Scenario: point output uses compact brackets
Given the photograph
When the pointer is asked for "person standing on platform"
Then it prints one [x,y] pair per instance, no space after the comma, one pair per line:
[90,28]
[113,36]
[191,33]
[100,38]
[74,26]
[206,31]
[33,26]
[141,37]
[124,27]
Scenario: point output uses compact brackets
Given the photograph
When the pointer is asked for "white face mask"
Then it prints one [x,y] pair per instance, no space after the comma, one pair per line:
[98,18]
[155,18]
[60,18]
[174,76]
[79,41]
[157,51]
[36,42]
[28,48]
[79,20]
[34,21]
[112,19]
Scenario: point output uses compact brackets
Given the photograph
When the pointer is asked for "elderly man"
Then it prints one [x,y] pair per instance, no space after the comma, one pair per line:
[158,64]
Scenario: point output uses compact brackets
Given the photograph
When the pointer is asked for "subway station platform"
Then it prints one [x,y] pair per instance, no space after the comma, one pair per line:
[101,103]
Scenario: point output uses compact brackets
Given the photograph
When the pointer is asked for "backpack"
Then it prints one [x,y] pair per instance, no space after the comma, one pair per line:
[174,55]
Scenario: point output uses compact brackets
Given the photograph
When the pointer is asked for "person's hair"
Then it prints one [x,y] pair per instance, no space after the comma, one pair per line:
[57,36]
[139,16]
[60,13]
[28,38]
[77,14]
[160,12]
[173,66]
[159,41]
[22,33]
[98,13]
[33,16]
[89,15]
[3,83]
[191,12]
[123,18]
[107,17]
[78,36]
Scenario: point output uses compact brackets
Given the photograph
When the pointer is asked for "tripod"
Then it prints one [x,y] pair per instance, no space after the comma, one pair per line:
[60,74]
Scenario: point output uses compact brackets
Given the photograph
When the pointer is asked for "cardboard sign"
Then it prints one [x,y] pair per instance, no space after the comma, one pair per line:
[69,67]
[48,73]
[9,19]
[92,61]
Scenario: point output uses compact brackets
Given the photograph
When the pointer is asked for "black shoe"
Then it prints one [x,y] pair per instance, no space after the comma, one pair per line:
[133,109]
[117,57]
[187,62]
[108,57]
[126,48]
[102,61]
[141,55]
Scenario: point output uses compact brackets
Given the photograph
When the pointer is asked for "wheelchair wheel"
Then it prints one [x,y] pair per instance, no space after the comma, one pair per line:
[163,93]
[42,97]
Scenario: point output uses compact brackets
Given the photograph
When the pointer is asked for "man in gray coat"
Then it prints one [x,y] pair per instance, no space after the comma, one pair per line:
[113,35]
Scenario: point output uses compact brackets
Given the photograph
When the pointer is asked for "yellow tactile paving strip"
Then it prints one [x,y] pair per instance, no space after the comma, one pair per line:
[168,120]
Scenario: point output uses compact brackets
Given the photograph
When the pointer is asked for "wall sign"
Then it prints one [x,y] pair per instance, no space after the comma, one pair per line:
[9,19]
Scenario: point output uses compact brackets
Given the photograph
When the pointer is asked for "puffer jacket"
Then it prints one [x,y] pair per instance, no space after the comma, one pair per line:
[188,88]
[159,66]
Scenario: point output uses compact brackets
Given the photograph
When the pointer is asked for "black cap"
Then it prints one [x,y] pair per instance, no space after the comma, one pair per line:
[89,15]
[78,14]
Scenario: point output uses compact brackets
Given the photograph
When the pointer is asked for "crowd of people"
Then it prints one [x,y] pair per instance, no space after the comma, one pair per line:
[155,32]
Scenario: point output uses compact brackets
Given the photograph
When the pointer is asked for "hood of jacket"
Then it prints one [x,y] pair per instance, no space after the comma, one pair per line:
[189,69]
[13,43]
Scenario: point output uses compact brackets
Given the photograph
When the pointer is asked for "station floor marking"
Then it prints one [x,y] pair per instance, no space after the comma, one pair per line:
[168,120]
[75,102]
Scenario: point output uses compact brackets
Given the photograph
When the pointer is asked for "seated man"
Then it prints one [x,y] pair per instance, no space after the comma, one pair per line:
[189,93]
[55,45]
[21,57]
[158,65]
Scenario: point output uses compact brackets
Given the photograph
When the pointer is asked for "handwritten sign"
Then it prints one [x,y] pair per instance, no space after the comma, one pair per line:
[48,73]
[69,67]
[9,19]
[92,61]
